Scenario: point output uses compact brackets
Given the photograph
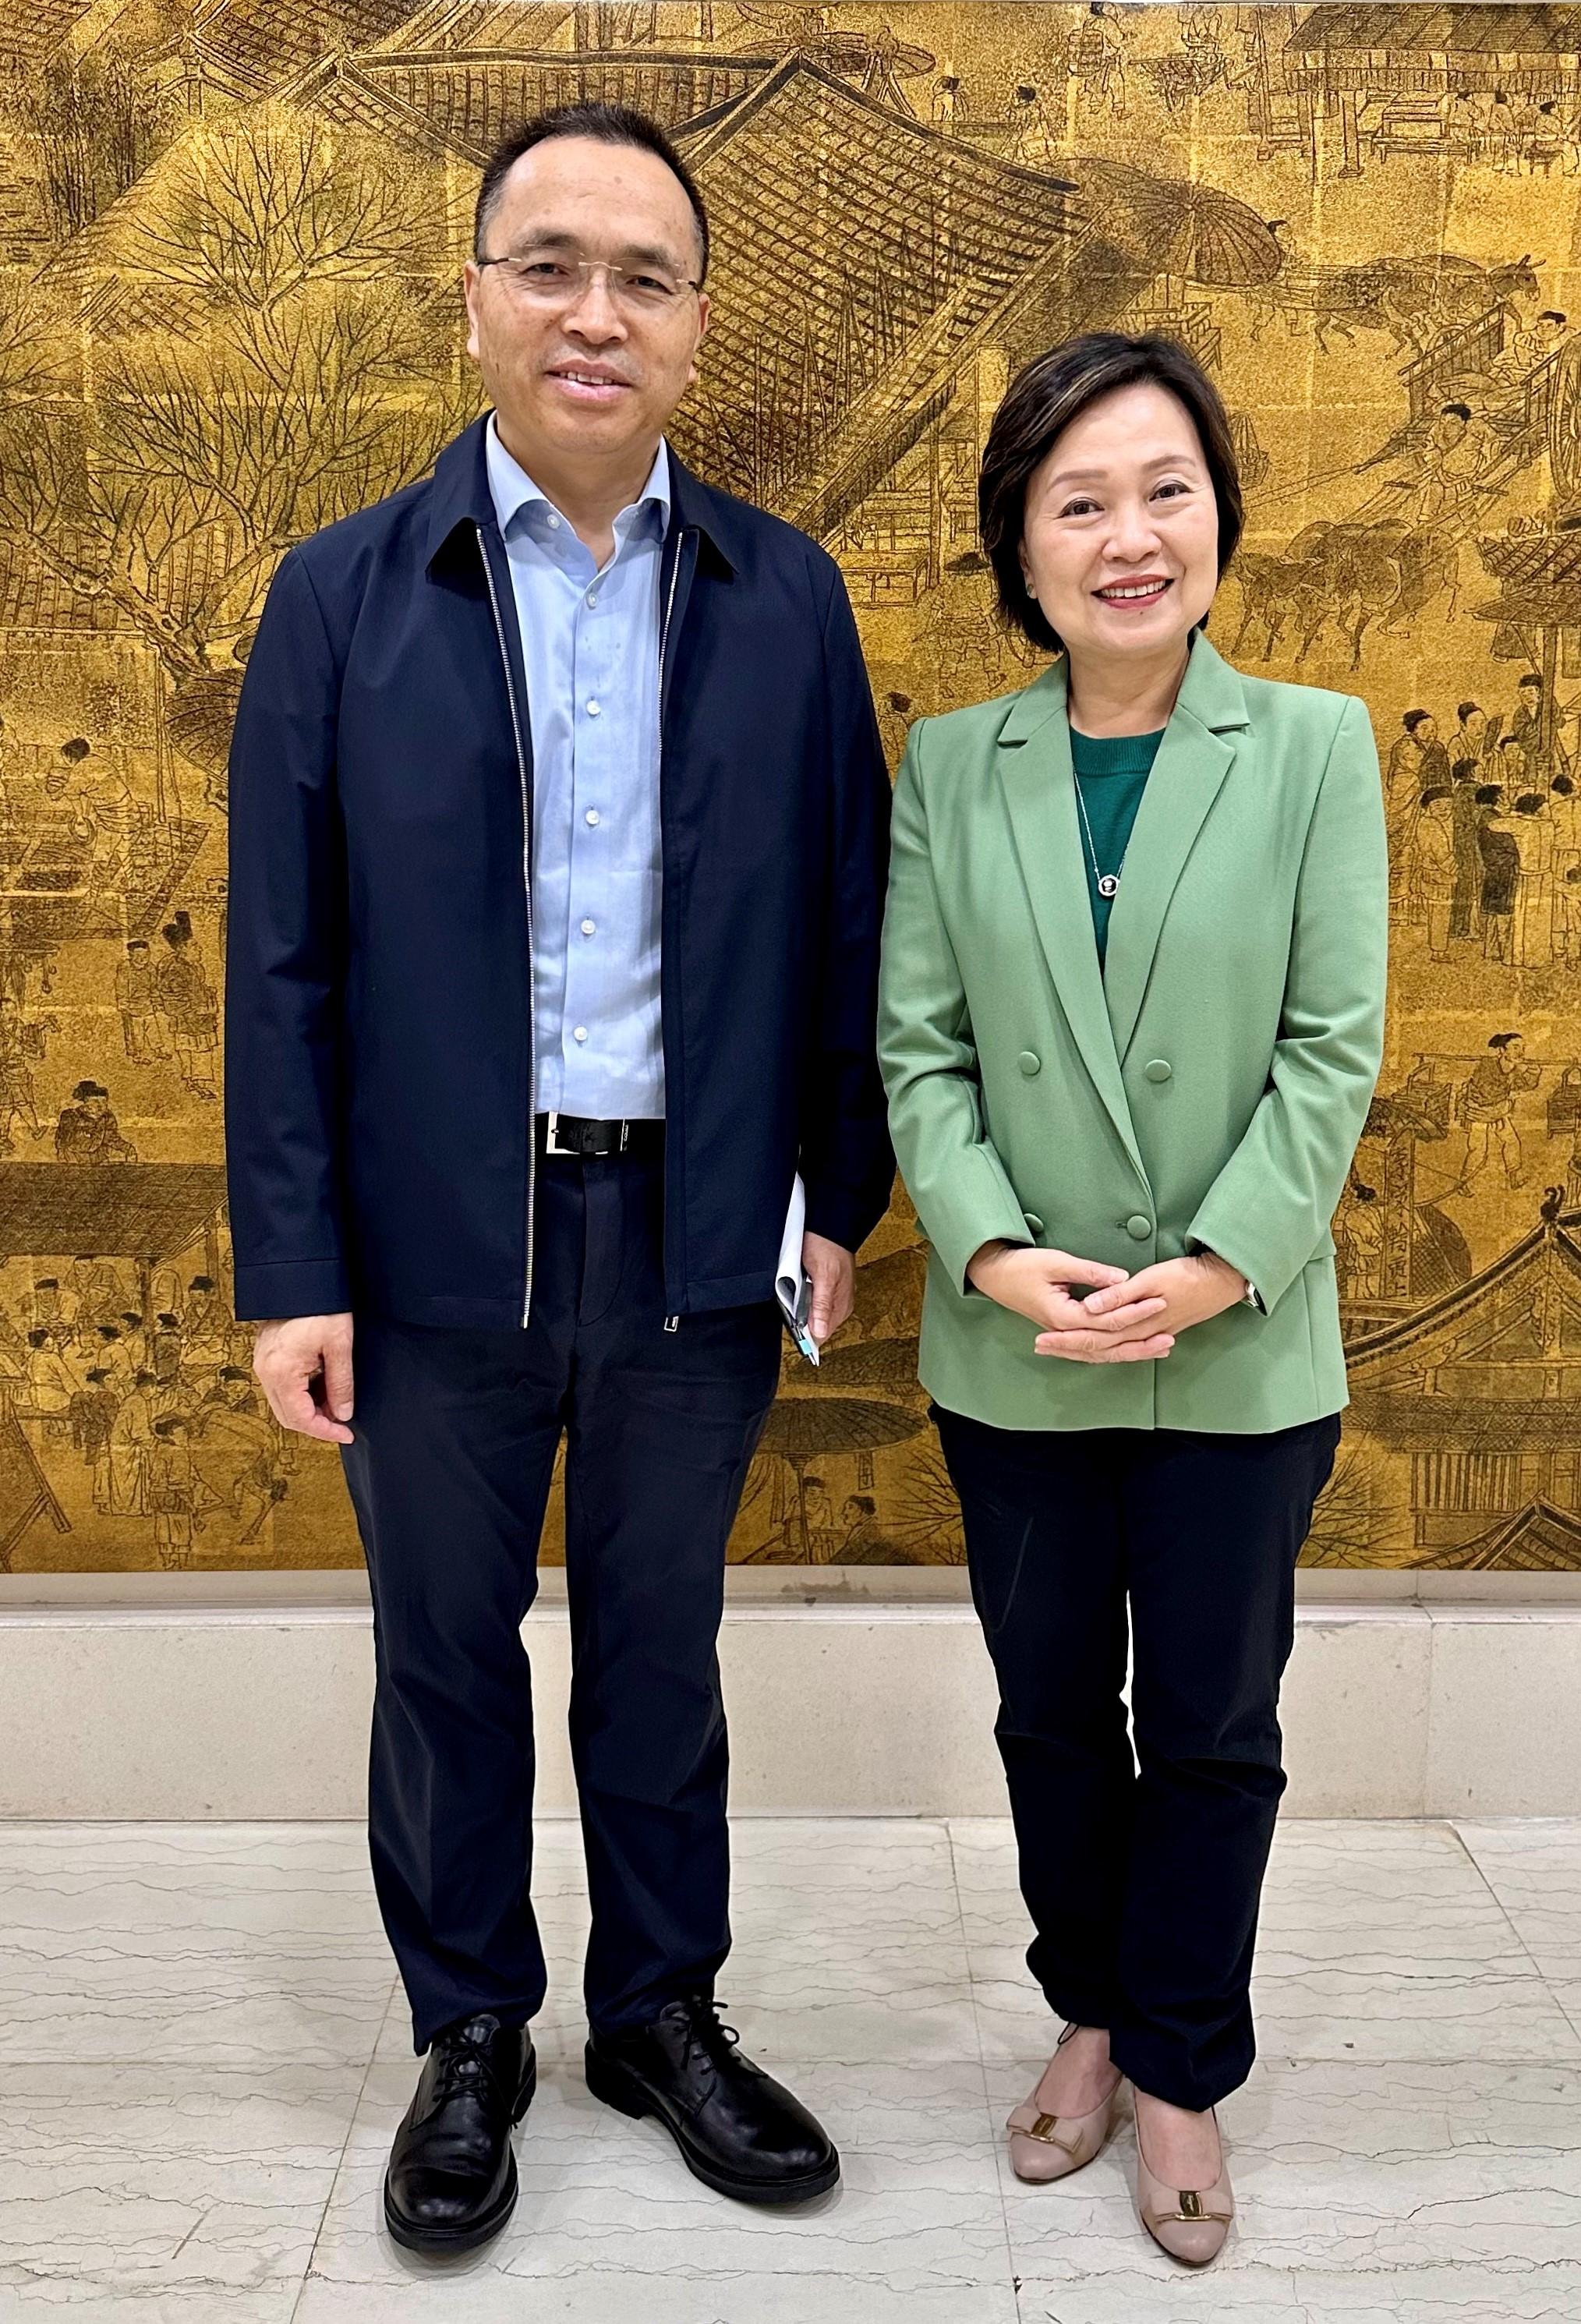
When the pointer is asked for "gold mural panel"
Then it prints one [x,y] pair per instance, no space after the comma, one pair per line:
[230,241]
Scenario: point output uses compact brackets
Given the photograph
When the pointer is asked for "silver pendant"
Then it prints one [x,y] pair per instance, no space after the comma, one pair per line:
[1109,884]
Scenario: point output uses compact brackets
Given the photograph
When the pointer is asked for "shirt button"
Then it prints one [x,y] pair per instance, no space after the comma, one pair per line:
[1138,1227]
[553,521]
[593,817]
[1030,1063]
[579,1033]
[1158,1069]
[589,927]
[592,596]
[593,709]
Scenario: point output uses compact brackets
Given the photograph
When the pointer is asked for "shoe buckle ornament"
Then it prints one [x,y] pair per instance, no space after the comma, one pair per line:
[1043,2130]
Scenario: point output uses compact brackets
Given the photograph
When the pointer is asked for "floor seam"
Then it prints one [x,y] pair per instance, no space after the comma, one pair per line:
[344,2150]
[1571,2020]
[1011,2277]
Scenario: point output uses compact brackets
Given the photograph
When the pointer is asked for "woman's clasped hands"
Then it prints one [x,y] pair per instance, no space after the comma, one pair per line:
[1093,1314]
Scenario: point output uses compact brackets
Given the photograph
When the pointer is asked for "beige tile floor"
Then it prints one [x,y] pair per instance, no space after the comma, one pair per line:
[203,2055]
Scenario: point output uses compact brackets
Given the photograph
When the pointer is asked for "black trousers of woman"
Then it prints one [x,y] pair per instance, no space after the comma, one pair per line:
[1142,1873]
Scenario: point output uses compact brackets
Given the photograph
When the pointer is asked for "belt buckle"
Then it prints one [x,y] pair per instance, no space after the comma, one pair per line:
[553,1144]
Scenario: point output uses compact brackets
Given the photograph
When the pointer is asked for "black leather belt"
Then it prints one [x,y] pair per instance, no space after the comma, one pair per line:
[573,1136]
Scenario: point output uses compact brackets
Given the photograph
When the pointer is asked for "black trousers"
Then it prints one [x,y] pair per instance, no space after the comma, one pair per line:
[456,1436]
[1142,1873]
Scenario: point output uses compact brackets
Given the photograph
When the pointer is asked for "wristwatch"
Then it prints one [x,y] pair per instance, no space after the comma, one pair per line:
[1251,1297]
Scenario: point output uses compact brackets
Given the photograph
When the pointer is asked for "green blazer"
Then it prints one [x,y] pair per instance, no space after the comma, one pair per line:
[1207,1090]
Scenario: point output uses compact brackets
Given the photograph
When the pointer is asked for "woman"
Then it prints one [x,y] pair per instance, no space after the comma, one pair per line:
[1132,1018]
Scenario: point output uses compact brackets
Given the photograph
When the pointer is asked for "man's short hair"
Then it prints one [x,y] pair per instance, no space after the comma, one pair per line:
[606,125]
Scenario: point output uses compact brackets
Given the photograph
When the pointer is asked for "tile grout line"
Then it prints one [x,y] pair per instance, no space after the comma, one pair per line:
[344,2149]
[1009,2267]
[1537,1968]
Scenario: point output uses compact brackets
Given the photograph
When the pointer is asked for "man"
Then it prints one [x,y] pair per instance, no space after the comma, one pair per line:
[1532,930]
[525,1047]
[1528,727]
[1501,863]
[1466,822]
[87,1129]
[1418,762]
[1487,1108]
[1433,867]
[1474,737]
[142,1032]
[186,1002]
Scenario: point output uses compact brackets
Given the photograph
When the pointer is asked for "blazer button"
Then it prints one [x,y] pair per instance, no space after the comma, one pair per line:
[1030,1063]
[1158,1069]
[1034,1223]
[1138,1227]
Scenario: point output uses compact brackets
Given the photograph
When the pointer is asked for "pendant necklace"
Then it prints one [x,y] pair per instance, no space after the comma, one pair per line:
[1108,881]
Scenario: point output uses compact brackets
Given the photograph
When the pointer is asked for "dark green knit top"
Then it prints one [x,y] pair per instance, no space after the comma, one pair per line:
[1111,774]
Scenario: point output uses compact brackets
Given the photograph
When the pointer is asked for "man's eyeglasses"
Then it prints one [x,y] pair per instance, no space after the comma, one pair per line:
[548,278]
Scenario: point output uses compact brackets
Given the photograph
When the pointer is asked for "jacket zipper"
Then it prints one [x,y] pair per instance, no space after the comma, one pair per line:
[672,1322]
[527,891]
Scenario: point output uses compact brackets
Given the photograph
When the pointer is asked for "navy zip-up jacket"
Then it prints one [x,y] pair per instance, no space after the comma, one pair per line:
[379,1006]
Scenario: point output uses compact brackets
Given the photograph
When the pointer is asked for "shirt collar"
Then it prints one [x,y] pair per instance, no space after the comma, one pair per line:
[514,489]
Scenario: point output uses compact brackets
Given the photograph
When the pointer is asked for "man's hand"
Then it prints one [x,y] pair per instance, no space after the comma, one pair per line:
[1180,1291]
[289,1356]
[1036,1284]
[833,1272]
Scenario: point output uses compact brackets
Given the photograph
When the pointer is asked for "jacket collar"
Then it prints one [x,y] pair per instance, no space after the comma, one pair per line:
[1197,753]
[459,494]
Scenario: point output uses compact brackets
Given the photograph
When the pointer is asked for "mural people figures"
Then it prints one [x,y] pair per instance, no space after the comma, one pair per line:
[565,591]
[49,1386]
[1487,1108]
[87,1129]
[1433,869]
[19,1045]
[142,1032]
[1445,473]
[1173,1135]
[187,1004]
[1358,1236]
[1528,728]
[1531,924]
[1466,824]
[1418,762]
[131,1438]
[96,1286]
[1501,866]
[93,1416]
[172,1491]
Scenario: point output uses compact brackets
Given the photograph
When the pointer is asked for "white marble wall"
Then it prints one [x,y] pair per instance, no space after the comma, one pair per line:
[1392,1709]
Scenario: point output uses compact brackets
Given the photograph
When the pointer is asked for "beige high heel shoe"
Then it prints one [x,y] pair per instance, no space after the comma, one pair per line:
[1191,2223]
[1045,2146]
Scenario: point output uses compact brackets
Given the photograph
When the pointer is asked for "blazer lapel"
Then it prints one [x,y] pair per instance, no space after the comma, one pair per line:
[1196,754]
[1034,765]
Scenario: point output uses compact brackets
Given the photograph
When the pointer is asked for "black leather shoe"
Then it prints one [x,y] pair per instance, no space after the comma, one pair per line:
[738,2130]
[452,2177]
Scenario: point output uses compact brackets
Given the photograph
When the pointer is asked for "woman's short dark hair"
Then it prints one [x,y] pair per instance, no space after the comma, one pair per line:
[605,125]
[1043,400]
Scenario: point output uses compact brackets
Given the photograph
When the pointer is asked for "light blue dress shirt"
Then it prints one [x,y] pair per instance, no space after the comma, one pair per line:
[590,644]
